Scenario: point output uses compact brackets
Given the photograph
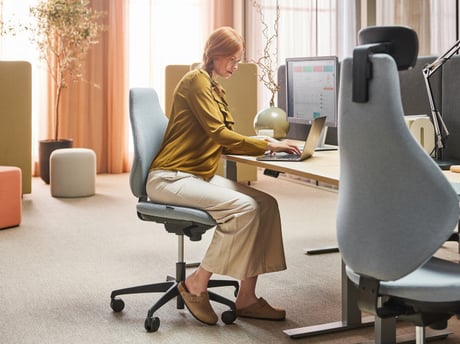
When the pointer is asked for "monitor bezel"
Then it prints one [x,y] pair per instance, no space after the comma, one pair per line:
[289,62]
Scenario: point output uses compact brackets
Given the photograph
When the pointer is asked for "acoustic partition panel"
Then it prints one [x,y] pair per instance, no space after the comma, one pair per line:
[241,91]
[16,118]
[413,90]
[450,107]
[242,99]
[173,74]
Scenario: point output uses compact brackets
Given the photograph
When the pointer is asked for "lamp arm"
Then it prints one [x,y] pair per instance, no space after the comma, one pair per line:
[427,72]
[434,115]
[431,68]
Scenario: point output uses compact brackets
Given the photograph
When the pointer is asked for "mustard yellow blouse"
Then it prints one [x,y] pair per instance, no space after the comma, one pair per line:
[200,129]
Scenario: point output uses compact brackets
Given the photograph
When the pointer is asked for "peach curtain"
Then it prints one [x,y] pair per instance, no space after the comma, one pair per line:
[223,13]
[95,110]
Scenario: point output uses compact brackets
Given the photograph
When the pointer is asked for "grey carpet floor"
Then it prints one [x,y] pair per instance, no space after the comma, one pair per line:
[58,267]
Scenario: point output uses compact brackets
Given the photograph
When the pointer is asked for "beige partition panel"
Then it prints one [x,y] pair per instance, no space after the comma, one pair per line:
[242,97]
[173,74]
[16,118]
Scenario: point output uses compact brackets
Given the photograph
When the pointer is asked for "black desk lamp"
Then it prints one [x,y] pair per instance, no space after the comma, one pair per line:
[441,132]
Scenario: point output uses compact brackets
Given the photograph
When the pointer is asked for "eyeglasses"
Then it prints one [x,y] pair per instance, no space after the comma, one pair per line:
[233,61]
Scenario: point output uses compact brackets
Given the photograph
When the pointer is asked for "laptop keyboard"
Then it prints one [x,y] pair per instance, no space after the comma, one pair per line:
[284,157]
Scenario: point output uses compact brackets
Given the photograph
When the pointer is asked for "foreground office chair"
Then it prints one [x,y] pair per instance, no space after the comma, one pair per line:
[395,206]
[148,126]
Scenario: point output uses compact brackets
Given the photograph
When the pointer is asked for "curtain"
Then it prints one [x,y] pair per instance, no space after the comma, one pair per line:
[95,108]
[433,20]
[223,14]
[444,25]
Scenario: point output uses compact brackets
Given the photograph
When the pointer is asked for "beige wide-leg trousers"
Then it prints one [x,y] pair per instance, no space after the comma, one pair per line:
[247,240]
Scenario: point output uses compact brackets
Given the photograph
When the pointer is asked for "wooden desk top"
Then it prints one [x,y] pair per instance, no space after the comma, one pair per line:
[322,166]
[453,177]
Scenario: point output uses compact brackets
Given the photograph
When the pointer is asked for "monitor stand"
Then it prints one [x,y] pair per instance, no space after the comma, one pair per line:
[322,146]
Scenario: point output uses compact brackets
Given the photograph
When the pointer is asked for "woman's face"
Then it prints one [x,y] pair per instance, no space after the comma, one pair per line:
[225,66]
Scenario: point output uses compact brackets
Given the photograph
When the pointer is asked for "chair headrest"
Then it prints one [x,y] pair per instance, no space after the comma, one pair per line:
[400,42]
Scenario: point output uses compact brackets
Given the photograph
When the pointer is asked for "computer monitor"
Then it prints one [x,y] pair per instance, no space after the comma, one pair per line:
[312,91]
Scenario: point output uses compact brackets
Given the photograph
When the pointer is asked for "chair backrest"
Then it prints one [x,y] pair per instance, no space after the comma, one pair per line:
[395,207]
[148,124]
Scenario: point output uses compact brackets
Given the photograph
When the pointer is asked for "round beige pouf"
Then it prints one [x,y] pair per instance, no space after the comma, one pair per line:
[73,172]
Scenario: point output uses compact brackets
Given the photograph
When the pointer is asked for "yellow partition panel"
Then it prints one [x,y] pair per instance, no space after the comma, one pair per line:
[241,91]
[173,74]
[16,118]
[242,99]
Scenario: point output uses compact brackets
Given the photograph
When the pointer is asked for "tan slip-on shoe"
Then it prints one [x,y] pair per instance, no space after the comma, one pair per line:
[261,310]
[199,306]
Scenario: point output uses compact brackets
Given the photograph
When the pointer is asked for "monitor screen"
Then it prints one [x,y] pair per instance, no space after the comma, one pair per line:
[312,89]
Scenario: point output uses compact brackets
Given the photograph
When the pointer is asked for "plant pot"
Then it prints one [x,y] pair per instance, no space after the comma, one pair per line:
[45,148]
[273,120]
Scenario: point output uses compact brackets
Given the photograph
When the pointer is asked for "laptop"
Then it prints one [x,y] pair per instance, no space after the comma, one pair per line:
[308,149]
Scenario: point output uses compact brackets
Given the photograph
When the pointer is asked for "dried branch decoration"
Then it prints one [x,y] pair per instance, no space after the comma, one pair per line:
[266,62]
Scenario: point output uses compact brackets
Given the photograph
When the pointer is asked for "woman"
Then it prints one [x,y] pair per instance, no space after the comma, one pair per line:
[247,240]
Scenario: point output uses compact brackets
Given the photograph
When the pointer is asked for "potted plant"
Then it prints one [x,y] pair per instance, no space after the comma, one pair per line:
[272,118]
[63,31]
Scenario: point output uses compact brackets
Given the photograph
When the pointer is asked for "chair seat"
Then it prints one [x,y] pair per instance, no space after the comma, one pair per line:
[163,211]
[437,274]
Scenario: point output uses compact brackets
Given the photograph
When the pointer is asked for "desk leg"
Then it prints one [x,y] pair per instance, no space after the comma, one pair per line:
[384,331]
[231,170]
[351,315]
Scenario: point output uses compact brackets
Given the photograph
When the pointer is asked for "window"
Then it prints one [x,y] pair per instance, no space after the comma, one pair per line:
[162,35]
[435,21]
[306,28]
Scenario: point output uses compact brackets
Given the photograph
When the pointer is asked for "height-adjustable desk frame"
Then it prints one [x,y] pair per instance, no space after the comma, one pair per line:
[324,167]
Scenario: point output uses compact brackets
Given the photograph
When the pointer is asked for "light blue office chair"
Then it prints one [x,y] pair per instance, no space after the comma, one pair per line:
[395,207]
[148,126]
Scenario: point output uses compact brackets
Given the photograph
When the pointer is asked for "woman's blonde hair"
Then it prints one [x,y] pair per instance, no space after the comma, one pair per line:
[224,41]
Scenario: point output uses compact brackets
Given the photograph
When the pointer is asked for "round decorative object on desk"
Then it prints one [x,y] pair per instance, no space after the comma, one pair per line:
[272,120]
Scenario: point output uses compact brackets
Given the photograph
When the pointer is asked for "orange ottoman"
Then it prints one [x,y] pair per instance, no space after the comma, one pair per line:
[10,196]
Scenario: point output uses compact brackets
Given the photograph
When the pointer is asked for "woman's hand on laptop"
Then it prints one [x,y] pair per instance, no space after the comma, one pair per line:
[283,146]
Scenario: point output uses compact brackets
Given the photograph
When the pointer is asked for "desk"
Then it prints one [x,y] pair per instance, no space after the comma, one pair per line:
[324,167]
[453,177]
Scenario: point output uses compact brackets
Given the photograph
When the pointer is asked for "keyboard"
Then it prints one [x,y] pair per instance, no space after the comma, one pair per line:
[282,157]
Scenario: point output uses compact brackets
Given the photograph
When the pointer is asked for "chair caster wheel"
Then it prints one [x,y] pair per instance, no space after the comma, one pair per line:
[151,324]
[228,317]
[117,305]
